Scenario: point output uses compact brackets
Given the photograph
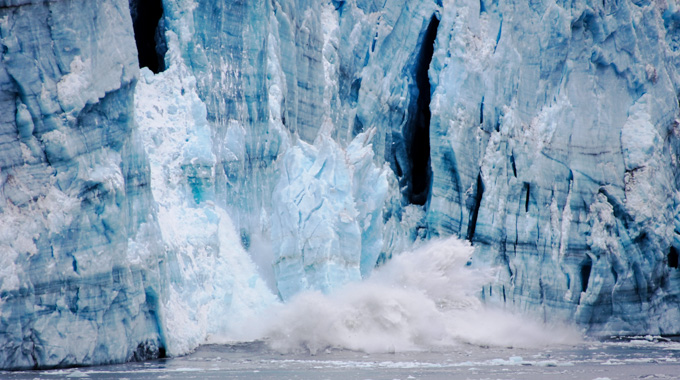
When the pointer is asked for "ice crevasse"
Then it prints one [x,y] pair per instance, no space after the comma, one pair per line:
[288,146]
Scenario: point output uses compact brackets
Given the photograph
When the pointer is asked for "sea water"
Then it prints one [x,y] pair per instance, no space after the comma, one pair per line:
[637,358]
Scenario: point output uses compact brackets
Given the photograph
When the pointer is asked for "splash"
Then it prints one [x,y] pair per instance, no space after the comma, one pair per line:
[421,300]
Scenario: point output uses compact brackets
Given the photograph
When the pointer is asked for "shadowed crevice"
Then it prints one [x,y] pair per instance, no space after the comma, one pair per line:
[149,33]
[673,258]
[419,144]
[586,268]
[472,226]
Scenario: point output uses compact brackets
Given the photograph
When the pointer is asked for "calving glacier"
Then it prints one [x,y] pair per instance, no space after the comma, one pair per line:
[424,299]
[172,170]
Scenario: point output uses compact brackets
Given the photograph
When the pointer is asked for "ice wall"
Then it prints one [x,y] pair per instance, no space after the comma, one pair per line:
[113,247]
[554,149]
[318,139]
[545,133]
[211,284]
[267,73]
[79,282]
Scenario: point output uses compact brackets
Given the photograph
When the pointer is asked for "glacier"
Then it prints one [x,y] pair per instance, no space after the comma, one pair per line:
[266,150]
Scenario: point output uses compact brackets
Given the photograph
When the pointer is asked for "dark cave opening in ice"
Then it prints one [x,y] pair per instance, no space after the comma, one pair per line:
[419,144]
[149,33]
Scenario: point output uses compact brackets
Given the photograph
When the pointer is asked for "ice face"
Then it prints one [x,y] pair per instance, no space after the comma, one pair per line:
[211,286]
[318,139]
[75,200]
[327,215]
[550,145]
[566,180]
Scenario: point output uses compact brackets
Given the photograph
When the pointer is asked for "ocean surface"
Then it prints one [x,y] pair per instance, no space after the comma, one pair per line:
[631,358]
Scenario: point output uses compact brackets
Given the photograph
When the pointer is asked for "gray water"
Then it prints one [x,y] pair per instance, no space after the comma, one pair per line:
[640,358]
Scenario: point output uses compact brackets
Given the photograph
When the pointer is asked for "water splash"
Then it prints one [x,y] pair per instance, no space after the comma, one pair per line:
[421,300]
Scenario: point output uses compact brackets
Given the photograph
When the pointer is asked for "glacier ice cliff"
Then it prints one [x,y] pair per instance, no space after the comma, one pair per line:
[275,147]
[112,249]
[569,180]
[79,280]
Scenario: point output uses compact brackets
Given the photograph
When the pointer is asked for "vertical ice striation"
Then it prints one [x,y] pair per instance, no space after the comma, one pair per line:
[327,215]
[318,139]
[79,282]
[549,144]
[554,139]
[211,286]
[269,79]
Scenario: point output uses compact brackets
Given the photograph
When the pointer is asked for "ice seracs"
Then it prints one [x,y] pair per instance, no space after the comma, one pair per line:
[295,135]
